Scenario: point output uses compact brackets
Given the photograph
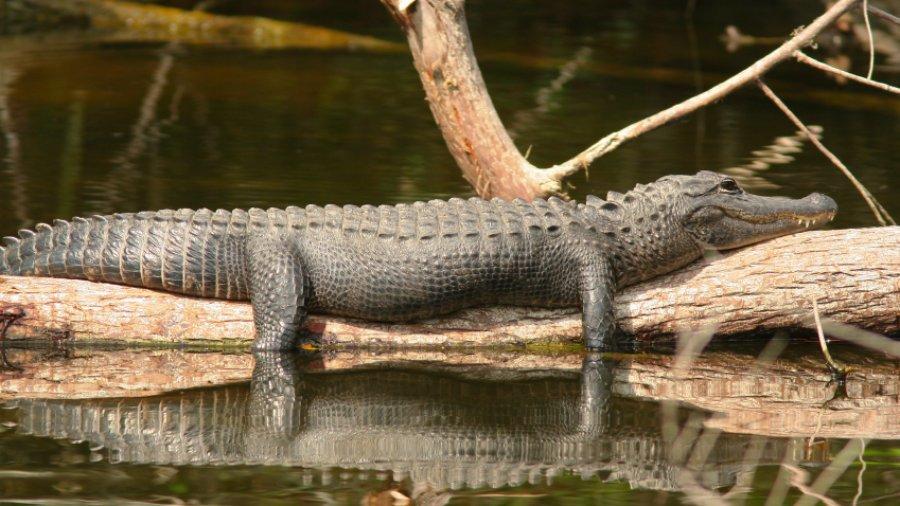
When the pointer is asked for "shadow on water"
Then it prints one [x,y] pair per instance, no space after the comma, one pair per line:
[439,423]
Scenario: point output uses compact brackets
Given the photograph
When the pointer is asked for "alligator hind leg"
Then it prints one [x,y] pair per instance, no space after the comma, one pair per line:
[277,290]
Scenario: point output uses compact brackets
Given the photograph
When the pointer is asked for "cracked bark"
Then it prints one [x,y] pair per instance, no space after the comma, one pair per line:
[854,274]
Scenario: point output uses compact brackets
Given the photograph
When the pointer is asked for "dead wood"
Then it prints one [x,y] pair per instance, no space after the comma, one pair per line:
[854,274]
[147,22]
[441,48]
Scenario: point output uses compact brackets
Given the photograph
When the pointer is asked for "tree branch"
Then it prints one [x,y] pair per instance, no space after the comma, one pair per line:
[712,95]
[884,15]
[442,52]
[812,62]
[754,289]
[878,210]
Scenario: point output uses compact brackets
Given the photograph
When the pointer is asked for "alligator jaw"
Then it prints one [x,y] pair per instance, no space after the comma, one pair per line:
[752,218]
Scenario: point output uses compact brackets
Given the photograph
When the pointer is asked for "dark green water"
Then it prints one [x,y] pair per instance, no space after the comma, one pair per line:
[89,125]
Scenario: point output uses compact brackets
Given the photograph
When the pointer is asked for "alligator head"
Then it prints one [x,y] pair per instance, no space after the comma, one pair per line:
[659,227]
[719,215]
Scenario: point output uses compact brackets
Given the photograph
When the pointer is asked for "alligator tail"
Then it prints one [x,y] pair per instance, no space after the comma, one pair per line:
[11,253]
[177,251]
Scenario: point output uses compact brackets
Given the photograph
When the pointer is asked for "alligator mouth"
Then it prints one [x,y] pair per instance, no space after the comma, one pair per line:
[808,220]
[753,218]
[810,211]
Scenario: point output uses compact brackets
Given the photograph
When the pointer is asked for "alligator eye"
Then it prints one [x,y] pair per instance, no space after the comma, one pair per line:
[729,185]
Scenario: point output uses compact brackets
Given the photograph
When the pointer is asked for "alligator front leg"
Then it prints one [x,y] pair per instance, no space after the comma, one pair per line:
[277,290]
[598,321]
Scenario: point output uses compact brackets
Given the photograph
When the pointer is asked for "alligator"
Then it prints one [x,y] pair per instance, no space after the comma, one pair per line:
[411,261]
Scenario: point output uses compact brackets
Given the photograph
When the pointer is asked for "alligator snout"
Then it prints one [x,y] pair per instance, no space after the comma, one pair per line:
[816,209]
[822,203]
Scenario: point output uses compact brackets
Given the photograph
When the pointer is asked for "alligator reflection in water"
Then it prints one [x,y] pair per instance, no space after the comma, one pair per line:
[490,428]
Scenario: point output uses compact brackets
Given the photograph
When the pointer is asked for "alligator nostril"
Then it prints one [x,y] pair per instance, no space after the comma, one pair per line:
[823,202]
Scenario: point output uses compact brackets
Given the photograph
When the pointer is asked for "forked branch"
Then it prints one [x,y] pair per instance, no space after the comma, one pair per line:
[442,51]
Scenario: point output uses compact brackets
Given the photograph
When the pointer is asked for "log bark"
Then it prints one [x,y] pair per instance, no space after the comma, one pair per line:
[854,274]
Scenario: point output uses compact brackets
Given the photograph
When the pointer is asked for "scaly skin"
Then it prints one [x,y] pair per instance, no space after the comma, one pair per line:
[411,261]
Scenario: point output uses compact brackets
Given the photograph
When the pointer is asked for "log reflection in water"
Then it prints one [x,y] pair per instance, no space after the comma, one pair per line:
[469,428]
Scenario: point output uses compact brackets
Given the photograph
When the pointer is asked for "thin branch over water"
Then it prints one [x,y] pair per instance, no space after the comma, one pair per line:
[878,210]
[812,62]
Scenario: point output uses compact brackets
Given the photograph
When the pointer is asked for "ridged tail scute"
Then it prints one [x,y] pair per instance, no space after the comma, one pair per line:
[17,253]
[183,251]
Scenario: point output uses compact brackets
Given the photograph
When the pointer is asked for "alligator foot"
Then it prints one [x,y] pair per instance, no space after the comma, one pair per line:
[7,317]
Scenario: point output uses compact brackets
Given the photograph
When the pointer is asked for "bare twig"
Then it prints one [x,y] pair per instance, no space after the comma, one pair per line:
[812,62]
[822,344]
[751,73]
[799,477]
[690,345]
[877,209]
[885,15]
[779,489]
[862,471]
[865,9]
[861,337]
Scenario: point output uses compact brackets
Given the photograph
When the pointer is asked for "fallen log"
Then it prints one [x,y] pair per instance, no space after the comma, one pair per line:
[134,21]
[854,275]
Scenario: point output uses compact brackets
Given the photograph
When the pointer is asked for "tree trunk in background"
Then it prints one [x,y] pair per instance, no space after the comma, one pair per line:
[439,40]
[853,274]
